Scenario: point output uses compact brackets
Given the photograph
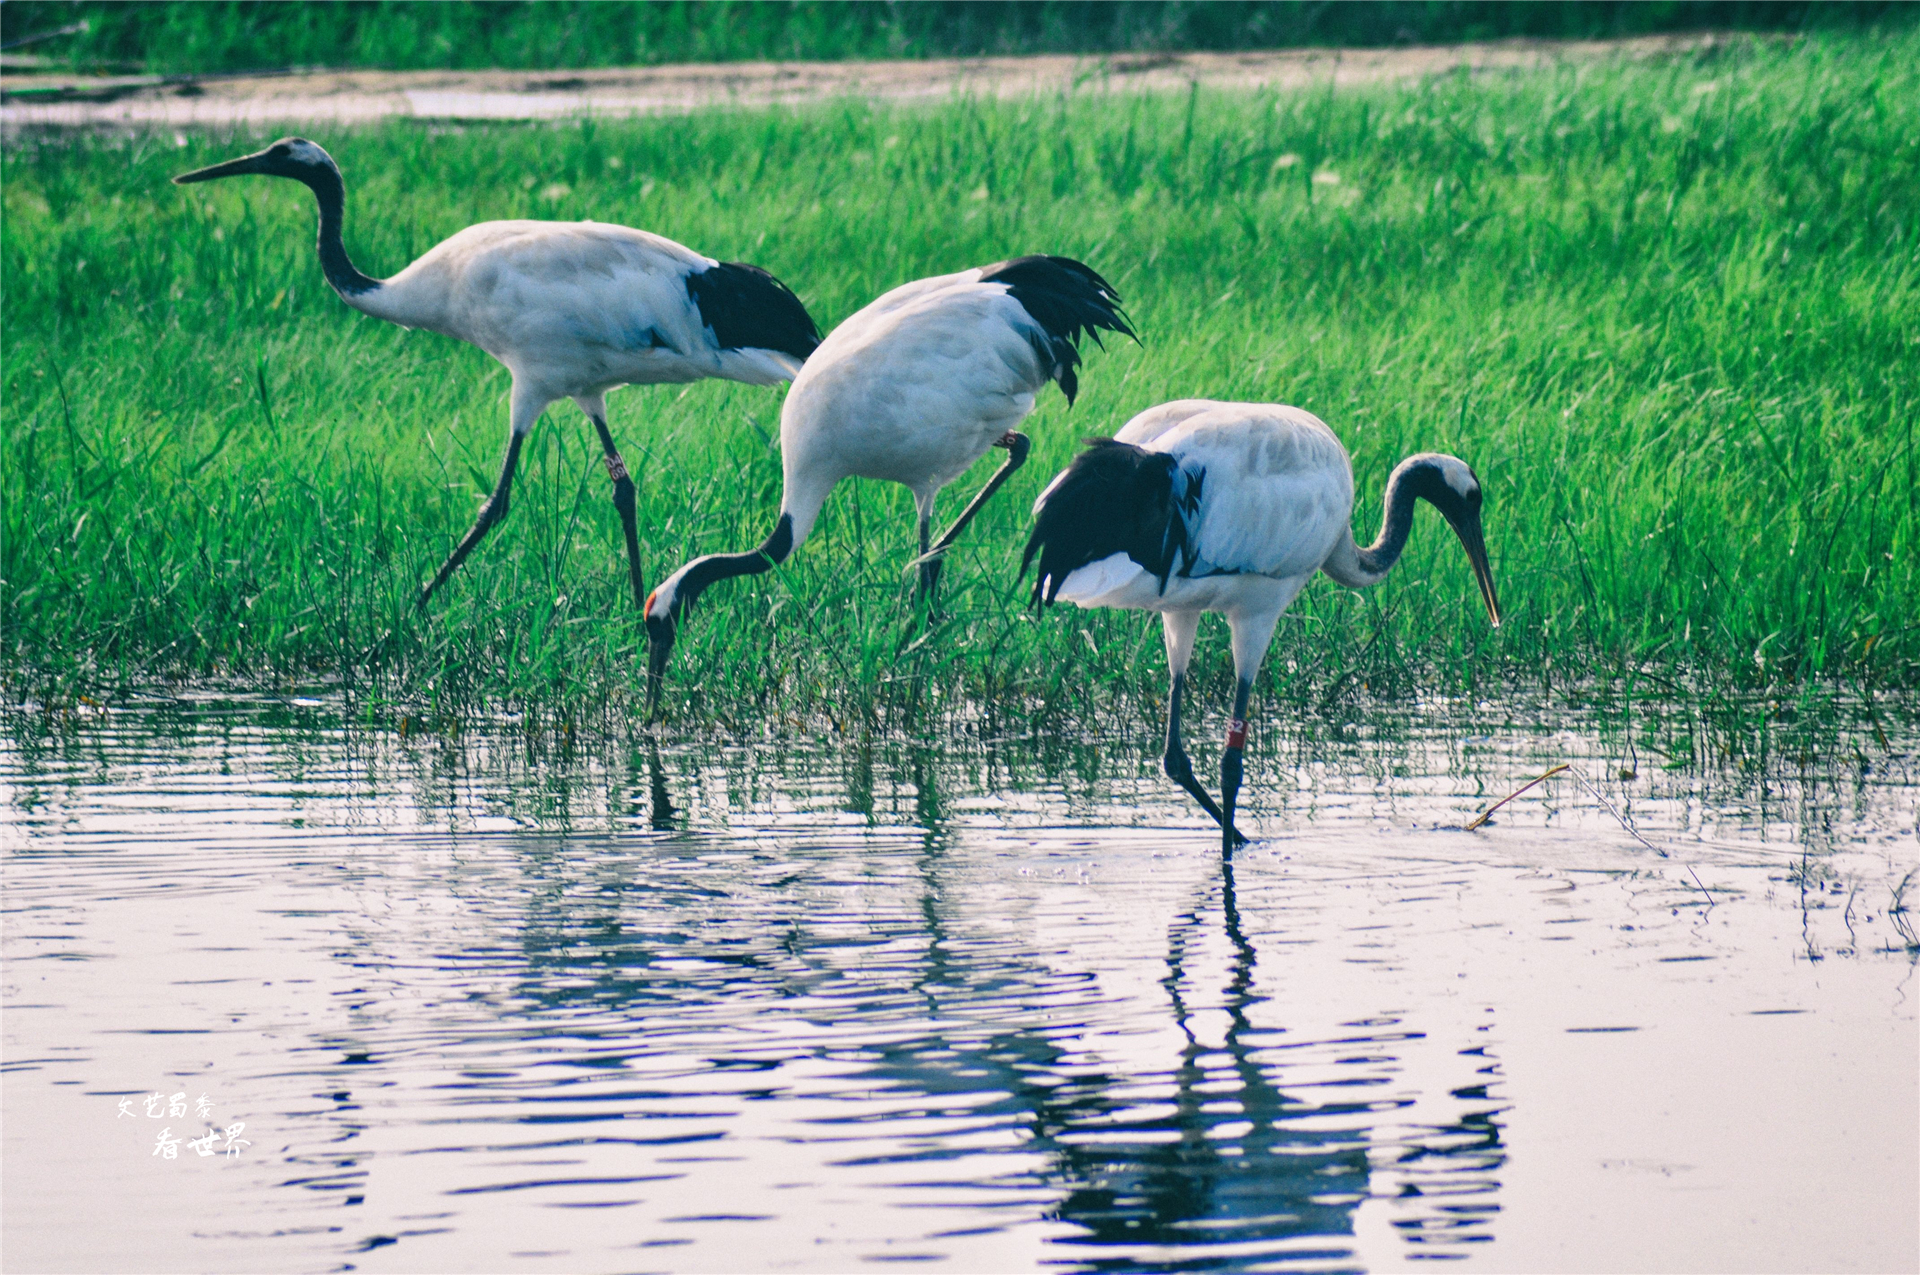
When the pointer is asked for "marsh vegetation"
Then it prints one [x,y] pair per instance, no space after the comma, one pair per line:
[1665,309]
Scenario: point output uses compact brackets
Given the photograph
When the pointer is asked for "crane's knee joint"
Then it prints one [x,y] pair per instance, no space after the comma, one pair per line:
[1178,768]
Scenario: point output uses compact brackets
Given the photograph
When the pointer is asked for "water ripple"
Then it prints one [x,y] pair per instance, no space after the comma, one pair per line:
[970,1005]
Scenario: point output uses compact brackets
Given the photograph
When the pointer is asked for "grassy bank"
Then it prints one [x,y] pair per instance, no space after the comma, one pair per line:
[1667,311]
[211,36]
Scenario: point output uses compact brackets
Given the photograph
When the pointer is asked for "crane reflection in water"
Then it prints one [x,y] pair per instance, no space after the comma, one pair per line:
[963,1064]
[1233,1171]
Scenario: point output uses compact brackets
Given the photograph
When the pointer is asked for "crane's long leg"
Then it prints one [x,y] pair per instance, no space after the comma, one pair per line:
[623,500]
[1252,627]
[525,410]
[1230,765]
[929,565]
[1017,445]
[490,513]
[1181,627]
[1178,767]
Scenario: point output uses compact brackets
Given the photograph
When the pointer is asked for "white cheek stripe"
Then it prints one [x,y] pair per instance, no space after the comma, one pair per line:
[663,595]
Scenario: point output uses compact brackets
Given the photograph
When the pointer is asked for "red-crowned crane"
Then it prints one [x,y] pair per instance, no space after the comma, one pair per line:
[572,308]
[914,388]
[1228,507]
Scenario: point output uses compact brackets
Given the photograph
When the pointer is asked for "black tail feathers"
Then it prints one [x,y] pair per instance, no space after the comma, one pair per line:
[1067,299]
[1113,498]
[747,308]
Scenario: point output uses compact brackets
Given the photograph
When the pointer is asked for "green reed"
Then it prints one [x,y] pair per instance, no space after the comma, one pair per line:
[1667,310]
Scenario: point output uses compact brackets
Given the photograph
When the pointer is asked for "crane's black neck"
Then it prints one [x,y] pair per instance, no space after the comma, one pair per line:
[327,187]
[1413,479]
[724,566]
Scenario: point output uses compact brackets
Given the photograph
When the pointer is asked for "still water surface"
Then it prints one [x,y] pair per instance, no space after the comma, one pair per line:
[482,1003]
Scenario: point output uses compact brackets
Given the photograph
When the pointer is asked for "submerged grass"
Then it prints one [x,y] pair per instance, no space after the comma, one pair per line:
[1668,311]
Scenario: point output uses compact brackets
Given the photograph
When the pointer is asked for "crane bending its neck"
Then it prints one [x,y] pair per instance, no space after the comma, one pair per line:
[301,160]
[327,187]
[1446,483]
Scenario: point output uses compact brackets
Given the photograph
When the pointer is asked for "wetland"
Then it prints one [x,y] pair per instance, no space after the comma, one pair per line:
[489,999]
[889,942]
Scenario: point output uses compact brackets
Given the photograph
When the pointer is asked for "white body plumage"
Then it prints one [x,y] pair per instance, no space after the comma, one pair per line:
[914,388]
[1276,502]
[1199,506]
[573,309]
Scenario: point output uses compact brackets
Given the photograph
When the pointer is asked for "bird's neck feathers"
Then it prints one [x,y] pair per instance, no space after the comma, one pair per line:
[327,187]
[1114,498]
[1415,478]
[678,590]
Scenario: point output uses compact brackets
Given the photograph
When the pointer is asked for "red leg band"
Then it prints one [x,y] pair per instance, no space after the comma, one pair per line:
[1237,733]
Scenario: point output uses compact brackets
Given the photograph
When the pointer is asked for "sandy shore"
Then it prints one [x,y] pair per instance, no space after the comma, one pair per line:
[349,97]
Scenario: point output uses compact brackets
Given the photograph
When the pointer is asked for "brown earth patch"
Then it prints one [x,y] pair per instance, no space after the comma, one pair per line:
[264,100]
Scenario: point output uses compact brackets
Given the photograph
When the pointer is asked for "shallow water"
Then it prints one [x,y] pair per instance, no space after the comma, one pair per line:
[485,1002]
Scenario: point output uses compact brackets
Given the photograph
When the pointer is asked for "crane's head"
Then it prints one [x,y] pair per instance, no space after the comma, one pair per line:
[1450,485]
[294,157]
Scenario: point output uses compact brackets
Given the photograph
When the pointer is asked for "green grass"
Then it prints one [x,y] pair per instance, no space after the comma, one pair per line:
[1670,312]
[223,35]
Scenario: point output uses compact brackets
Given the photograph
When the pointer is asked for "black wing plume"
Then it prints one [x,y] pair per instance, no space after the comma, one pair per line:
[1067,299]
[747,308]
[1114,498]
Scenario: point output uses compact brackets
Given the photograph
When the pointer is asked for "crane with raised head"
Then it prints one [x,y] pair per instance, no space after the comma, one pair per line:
[914,388]
[1199,506]
[572,308]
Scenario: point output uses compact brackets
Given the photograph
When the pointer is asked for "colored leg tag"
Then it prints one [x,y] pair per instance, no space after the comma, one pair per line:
[616,468]
[1237,733]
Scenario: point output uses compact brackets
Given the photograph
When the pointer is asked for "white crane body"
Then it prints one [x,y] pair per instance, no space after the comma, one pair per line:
[577,308]
[572,309]
[1199,506]
[913,389]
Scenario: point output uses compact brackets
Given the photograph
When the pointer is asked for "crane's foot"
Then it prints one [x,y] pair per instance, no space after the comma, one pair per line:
[1180,770]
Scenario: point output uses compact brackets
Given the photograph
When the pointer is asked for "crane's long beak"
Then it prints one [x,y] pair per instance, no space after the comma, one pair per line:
[255,163]
[1468,529]
[660,637]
